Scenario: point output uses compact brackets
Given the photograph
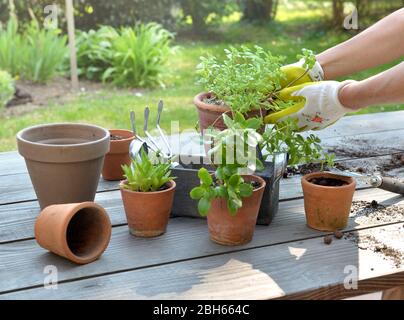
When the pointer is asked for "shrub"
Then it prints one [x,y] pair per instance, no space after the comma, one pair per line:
[94,51]
[6,88]
[36,54]
[126,57]
[10,47]
[44,52]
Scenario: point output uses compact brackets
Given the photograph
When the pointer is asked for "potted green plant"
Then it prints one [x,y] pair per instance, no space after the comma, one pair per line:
[231,196]
[246,81]
[147,194]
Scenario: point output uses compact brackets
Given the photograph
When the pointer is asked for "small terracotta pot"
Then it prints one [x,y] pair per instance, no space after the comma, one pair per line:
[79,232]
[239,229]
[64,160]
[327,208]
[148,212]
[118,155]
[210,114]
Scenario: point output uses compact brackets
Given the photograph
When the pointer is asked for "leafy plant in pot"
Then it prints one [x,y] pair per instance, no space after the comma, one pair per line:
[246,81]
[147,194]
[231,196]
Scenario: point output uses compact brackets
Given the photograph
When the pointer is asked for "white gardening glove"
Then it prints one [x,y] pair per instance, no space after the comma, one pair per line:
[316,105]
[296,74]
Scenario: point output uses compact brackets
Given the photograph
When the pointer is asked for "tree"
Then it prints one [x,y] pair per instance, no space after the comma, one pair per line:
[338,12]
[259,10]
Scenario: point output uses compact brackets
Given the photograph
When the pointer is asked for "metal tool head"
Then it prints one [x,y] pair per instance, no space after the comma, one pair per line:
[133,122]
[146,118]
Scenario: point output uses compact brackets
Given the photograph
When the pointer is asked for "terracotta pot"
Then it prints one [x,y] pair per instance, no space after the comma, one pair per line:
[64,160]
[79,232]
[211,114]
[239,229]
[118,155]
[327,208]
[148,212]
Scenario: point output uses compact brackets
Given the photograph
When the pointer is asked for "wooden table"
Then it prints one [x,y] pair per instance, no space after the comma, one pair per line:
[284,260]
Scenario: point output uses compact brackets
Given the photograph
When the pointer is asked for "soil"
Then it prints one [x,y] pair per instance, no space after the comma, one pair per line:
[255,184]
[214,101]
[338,234]
[327,239]
[371,242]
[369,213]
[30,96]
[329,182]
[114,137]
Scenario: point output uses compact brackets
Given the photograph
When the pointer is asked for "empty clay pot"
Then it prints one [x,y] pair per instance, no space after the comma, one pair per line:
[211,114]
[118,155]
[239,229]
[79,232]
[64,160]
[148,212]
[327,208]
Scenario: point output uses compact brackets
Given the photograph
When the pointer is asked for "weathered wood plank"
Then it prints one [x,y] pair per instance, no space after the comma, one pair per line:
[17,220]
[22,263]
[303,269]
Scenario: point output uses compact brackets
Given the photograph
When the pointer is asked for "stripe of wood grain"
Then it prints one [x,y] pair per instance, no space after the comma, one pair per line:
[305,269]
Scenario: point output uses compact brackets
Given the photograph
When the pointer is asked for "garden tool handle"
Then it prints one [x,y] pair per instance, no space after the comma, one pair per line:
[389,184]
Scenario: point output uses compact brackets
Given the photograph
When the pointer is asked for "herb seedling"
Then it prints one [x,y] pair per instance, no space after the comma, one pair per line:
[145,176]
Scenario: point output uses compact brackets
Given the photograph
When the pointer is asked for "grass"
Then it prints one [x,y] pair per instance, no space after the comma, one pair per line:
[295,29]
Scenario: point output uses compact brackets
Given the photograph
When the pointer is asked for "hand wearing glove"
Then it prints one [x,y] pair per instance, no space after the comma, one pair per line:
[316,105]
[296,74]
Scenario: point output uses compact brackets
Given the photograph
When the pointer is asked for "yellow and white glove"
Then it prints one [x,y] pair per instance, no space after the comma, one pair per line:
[296,74]
[316,105]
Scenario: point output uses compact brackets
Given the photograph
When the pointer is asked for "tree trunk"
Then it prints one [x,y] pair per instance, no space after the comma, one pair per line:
[193,8]
[259,10]
[338,12]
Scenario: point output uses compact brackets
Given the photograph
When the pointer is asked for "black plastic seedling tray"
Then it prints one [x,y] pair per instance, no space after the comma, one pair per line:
[187,178]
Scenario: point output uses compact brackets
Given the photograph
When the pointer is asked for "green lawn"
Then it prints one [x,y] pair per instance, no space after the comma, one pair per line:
[294,30]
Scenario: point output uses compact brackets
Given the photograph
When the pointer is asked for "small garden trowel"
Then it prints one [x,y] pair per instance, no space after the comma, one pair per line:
[374,180]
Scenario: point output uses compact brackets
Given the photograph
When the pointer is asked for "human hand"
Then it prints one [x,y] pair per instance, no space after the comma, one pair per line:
[296,74]
[316,105]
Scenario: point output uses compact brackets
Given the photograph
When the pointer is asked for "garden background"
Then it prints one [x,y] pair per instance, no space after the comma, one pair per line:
[131,53]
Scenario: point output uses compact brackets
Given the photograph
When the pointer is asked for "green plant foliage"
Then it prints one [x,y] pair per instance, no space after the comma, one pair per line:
[94,51]
[131,57]
[244,80]
[6,88]
[36,54]
[285,138]
[145,176]
[240,140]
[10,47]
[44,52]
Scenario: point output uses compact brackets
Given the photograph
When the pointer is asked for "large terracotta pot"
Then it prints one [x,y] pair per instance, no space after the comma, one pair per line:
[79,232]
[211,114]
[148,212]
[239,229]
[327,208]
[64,160]
[118,155]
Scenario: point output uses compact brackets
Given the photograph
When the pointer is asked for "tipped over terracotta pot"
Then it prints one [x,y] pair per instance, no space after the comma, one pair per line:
[118,154]
[79,232]
[148,212]
[327,202]
[239,229]
[64,160]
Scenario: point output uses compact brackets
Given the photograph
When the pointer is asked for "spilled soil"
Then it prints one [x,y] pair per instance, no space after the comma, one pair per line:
[388,243]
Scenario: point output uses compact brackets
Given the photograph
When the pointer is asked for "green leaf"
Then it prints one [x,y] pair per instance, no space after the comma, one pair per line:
[203,206]
[245,190]
[197,193]
[205,177]
[234,180]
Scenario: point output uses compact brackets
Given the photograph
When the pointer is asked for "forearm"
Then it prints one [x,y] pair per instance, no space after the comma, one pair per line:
[385,88]
[379,44]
